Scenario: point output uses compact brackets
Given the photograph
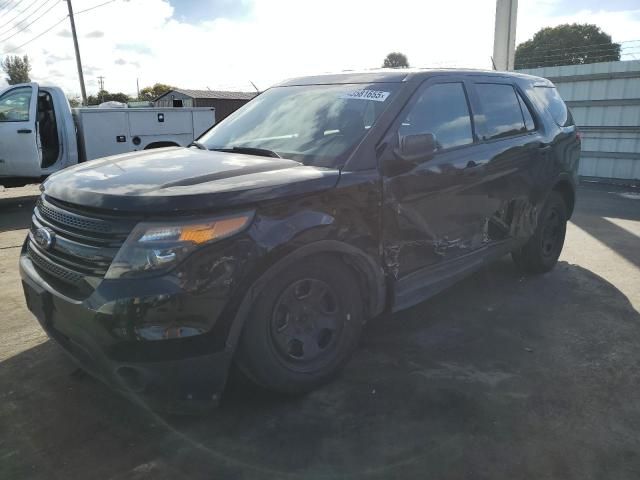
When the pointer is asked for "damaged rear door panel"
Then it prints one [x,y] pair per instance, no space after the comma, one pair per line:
[510,137]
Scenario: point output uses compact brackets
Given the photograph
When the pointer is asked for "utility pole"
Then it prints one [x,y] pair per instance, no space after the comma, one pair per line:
[101,91]
[78,61]
[504,39]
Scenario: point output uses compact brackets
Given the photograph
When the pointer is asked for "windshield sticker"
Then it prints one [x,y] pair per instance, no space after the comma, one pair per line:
[374,95]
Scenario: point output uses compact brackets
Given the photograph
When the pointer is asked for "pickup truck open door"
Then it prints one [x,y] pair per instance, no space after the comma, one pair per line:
[20,155]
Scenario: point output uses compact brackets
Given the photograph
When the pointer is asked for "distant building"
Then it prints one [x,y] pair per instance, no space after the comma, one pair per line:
[225,103]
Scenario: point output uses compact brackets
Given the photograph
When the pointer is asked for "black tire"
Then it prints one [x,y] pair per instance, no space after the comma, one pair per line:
[541,252]
[296,337]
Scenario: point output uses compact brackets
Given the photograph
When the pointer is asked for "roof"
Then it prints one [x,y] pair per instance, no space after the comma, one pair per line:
[216,94]
[393,75]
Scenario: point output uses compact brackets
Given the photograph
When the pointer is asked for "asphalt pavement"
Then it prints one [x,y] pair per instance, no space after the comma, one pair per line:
[503,376]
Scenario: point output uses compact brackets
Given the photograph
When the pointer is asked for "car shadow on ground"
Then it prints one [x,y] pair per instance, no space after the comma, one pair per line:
[501,376]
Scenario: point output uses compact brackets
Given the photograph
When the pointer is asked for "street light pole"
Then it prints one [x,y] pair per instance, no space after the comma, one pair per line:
[78,61]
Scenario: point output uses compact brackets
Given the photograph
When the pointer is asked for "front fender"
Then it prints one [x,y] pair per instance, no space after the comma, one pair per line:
[369,271]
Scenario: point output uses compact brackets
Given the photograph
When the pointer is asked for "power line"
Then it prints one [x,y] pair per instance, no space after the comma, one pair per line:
[585,53]
[37,36]
[12,7]
[622,46]
[34,21]
[22,20]
[94,7]
[52,27]
[20,12]
[568,55]
[5,5]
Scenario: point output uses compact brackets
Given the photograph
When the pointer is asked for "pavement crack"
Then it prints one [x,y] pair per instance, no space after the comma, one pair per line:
[11,246]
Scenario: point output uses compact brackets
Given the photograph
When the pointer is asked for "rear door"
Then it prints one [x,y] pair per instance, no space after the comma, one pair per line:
[19,152]
[509,138]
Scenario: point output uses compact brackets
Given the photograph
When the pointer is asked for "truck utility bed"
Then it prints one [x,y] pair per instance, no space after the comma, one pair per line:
[110,131]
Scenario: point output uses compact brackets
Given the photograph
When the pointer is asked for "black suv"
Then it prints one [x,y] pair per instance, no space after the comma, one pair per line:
[270,241]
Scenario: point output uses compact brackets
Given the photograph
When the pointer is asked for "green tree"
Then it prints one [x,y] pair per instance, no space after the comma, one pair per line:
[568,44]
[17,69]
[75,101]
[151,93]
[396,60]
[105,96]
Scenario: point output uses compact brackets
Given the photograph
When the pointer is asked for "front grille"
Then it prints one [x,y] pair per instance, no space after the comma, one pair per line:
[51,268]
[71,220]
[86,242]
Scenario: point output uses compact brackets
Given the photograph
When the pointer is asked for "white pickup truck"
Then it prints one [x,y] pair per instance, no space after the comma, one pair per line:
[40,134]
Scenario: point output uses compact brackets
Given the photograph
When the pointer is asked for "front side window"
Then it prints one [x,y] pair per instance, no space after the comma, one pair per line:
[441,110]
[553,103]
[318,125]
[501,111]
[14,105]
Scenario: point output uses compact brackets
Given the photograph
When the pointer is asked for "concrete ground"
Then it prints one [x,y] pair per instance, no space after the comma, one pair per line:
[502,376]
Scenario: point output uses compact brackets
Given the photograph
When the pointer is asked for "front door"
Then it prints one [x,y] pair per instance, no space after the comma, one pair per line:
[19,151]
[436,209]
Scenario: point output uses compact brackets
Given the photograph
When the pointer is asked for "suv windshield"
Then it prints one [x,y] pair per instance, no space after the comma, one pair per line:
[318,125]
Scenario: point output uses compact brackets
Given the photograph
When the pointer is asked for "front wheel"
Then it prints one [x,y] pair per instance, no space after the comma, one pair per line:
[541,252]
[303,326]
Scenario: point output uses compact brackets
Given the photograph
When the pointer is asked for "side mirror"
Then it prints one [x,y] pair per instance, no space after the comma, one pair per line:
[415,147]
[411,150]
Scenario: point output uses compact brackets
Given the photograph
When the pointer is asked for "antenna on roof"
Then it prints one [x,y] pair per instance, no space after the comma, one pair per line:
[254,86]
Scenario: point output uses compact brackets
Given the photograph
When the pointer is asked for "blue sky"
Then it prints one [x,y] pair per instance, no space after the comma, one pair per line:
[568,6]
[194,11]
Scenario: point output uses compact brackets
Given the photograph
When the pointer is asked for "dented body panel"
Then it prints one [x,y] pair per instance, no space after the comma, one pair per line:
[407,229]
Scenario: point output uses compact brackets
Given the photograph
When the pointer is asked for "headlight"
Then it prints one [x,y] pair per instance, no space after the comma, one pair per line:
[154,247]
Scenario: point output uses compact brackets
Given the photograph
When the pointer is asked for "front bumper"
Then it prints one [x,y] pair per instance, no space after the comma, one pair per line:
[114,336]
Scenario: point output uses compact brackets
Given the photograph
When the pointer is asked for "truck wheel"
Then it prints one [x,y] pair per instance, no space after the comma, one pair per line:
[541,252]
[303,327]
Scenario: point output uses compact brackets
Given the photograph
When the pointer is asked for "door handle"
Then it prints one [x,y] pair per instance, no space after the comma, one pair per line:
[25,130]
[472,167]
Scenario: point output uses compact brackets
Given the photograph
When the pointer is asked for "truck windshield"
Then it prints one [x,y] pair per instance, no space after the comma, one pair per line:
[317,125]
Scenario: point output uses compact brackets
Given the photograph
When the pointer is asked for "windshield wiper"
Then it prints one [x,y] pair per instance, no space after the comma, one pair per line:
[261,152]
[197,144]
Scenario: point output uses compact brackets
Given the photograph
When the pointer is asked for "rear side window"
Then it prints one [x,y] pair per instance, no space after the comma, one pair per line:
[441,110]
[553,103]
[501,110]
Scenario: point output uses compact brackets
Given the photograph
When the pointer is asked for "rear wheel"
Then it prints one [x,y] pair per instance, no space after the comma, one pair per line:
[541,252]
[303,326]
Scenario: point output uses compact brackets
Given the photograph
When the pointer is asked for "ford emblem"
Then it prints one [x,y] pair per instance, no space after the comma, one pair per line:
[44,237]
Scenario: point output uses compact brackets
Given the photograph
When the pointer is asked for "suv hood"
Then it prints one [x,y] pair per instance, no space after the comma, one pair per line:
[175,178]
